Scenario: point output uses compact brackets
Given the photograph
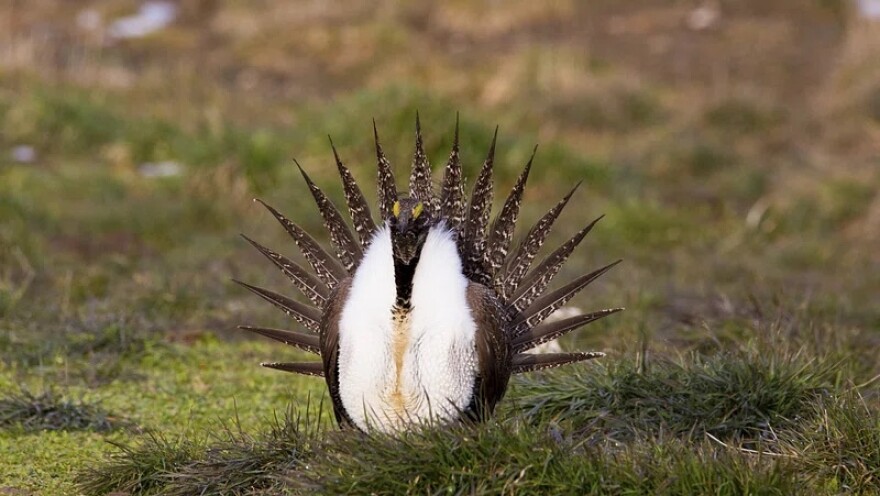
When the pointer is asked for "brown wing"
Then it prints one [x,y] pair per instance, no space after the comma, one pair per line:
[493,350]
[329,344]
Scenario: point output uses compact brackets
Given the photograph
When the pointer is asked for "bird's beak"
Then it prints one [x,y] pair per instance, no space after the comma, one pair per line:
[406,249]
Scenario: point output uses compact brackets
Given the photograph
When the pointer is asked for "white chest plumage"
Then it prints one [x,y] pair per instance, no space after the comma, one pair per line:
[409,366]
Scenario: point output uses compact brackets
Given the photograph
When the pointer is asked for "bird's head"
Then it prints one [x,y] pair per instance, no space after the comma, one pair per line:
[409,224]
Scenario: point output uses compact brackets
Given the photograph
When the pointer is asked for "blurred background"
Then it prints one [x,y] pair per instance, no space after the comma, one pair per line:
[732,145]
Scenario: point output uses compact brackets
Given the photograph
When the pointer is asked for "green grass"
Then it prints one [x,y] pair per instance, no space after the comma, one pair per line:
[178,392]
[676,428]
[232,462]
[500,459]
[47,411]
[135,319]
[730,396]
[143,469]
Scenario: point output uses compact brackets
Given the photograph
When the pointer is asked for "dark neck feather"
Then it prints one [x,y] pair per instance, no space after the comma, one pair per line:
[403,279]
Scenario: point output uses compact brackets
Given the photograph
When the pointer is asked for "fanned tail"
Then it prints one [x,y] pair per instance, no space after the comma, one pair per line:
[486,253]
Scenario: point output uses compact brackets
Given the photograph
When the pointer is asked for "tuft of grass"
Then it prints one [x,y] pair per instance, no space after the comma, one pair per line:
[726,396]
[141,469]
[842,445]
[236,462]
[243,463]
[49,411]
[497,457]
[96,349]
[513,457]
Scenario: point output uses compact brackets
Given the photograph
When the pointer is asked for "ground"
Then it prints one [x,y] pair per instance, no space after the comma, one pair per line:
[731,146]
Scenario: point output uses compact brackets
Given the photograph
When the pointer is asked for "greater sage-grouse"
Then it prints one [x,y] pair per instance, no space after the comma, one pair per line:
[425,315]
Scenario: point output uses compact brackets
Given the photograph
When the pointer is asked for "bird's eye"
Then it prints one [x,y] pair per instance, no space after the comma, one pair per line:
[417,210]
[395,209]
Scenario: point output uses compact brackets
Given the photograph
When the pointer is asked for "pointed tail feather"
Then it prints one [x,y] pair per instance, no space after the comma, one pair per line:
[538,279]
[420,186]
[347,249]
[553,330]
[452,195]
[325,266]
[306,315]
[358,208]
[518,263]
[527,362]
[315,369]
[505,224]
[303,341]
[387,187]
[478,219]
[311,287]
[550,302]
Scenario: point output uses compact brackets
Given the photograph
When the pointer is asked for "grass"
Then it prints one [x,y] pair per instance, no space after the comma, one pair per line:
[126,317]
[739,195]
[143,469]
[728,396]
[595,431]
[233,462]
[180,393]
[49,411]
[501,459]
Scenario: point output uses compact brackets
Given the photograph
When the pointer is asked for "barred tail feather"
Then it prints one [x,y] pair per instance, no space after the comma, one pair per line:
[387,186]
[505,224]
[550,302]
[452,195]
[528,362]
[306,315]
[347,249]
[538,279]
[358,208]
[554,330]
[315,369]
[420,186]
[303,341]
[474,241]
[326,267]
[518,263]
[311,287]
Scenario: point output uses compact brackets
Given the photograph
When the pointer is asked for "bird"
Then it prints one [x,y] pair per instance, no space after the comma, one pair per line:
[425,315]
